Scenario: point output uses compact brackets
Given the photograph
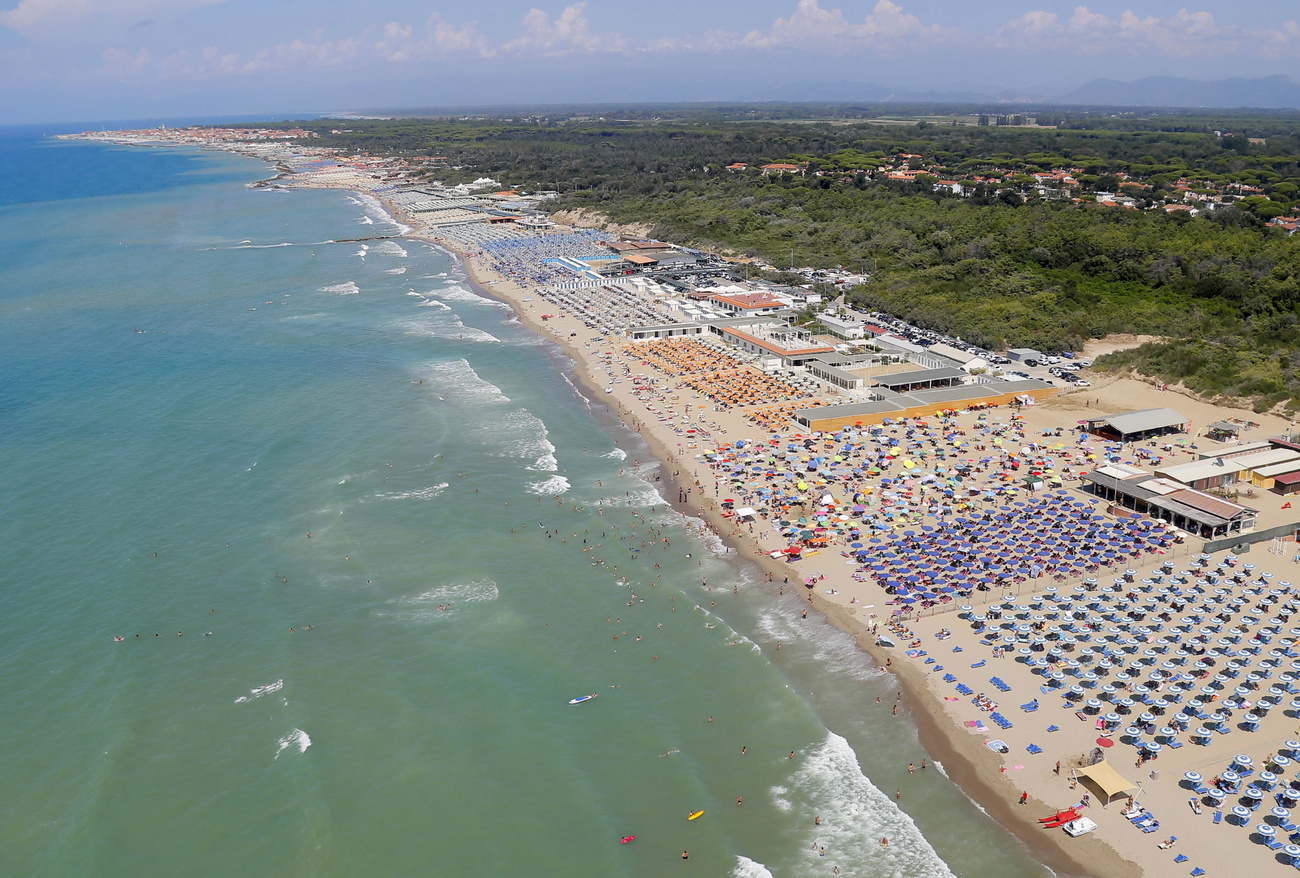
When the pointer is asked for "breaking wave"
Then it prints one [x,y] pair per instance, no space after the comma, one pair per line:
[295,739]
[260,691]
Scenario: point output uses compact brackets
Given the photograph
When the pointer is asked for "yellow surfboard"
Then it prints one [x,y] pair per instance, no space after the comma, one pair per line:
[695,814]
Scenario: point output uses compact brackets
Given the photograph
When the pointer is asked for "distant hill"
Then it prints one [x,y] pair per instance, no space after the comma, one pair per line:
[1271,92]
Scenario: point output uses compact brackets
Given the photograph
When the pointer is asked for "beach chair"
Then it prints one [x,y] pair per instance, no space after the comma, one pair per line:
[1218,816]
[979,664]
[956,649]
[1153,826]
[1289,826]
[949,678]
[1053,728]
[1273,844]
[1181,858]
[1030,707]
[1035,749]
[1200,790]
[1198,871]
[1174,744]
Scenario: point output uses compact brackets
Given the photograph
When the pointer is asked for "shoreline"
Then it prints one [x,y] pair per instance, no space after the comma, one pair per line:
[977,772]
[978,778]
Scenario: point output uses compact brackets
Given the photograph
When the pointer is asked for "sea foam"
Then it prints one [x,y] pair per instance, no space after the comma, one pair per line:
[424,607]
[418,494]
[390,248]
[456,380]
[344,289]
[529,438]
[259,691]
[297,739]
[747,868]
[858,814]
[554,486]
[832,648]
[446,328]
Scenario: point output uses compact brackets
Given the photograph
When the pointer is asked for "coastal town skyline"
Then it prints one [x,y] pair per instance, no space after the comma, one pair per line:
[67,60]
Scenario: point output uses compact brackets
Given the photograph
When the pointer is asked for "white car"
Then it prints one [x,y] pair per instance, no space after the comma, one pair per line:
[1081,382]
[1081,826]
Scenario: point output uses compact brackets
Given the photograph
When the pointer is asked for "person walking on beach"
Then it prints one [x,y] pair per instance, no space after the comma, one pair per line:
[1024,798]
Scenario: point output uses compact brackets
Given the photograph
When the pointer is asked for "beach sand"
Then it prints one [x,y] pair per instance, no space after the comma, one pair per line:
[994,781]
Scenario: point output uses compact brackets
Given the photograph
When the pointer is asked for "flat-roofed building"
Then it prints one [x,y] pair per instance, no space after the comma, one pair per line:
[1185,508]
[1275,477]
[842,327]
[1236,450]
[666,330]
[1139,424]
[888,405]
[749,303]
[794,347]
[1204,474]
[1287,483]
[921,379]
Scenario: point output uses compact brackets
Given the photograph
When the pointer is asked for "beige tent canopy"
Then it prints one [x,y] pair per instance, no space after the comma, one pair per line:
[1109,782]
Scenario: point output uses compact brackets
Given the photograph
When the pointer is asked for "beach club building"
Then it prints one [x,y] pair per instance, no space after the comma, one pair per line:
[1136,425]
[887,406]
[770,338]
[1185,508]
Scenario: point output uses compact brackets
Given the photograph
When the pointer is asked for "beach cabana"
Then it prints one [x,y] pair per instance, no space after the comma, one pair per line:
[1108,782]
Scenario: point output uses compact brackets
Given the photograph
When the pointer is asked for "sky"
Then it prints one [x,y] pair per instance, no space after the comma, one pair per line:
[70,60]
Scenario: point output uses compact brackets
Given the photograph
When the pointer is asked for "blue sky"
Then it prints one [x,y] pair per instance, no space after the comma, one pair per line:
[103,59]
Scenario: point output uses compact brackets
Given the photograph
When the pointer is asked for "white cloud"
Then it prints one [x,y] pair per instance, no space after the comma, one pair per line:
[814,28]
[41,19]
[299,54]
[436,39]
[1186,33]
[570,33]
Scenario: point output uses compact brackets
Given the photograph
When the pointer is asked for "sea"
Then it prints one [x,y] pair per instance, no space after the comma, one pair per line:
[306,546]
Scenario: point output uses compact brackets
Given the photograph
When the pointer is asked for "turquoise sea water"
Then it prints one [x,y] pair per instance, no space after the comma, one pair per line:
[193,378]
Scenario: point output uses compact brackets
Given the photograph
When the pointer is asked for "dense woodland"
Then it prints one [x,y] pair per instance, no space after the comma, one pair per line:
[1002,266]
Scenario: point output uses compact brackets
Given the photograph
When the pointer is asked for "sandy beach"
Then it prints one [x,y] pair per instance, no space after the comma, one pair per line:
[994,780]
[680,424]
